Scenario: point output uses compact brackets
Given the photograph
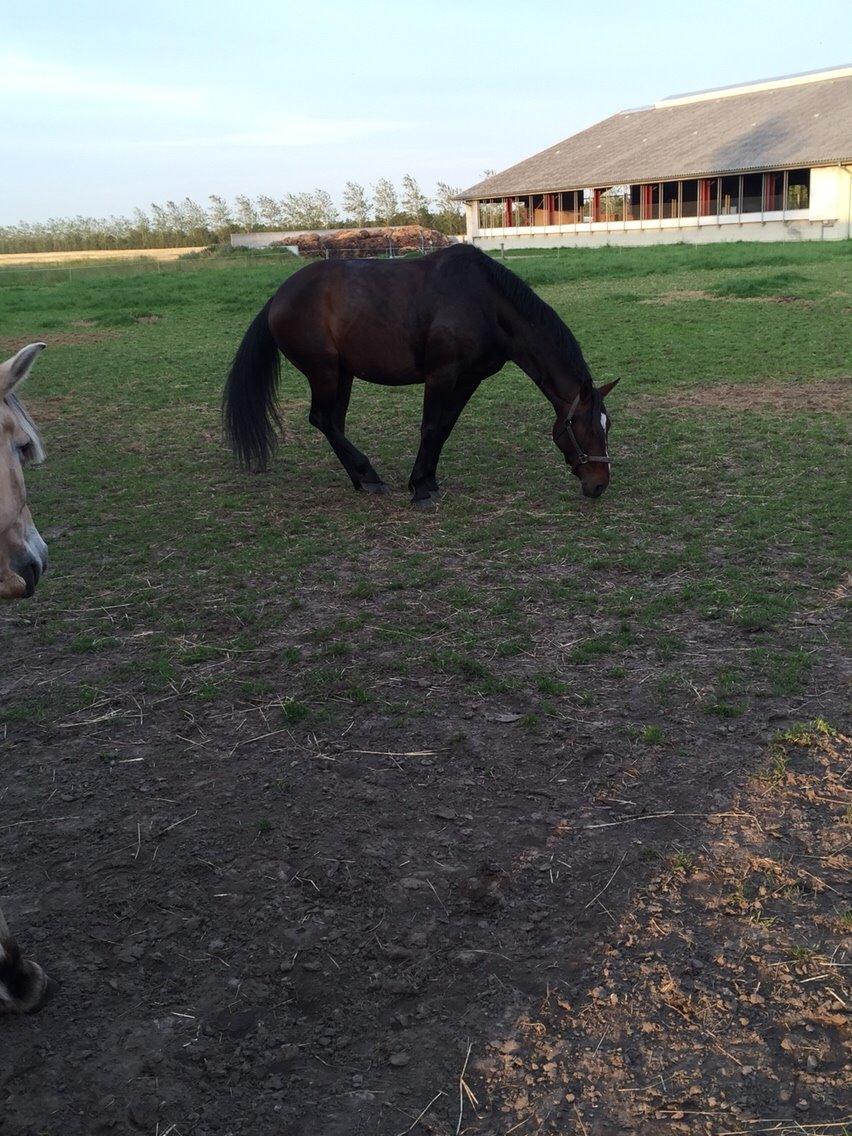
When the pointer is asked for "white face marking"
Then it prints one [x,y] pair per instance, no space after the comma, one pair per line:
[603,422]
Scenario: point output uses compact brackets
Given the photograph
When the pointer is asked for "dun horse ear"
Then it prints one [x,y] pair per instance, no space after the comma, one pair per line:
[16,369]
[607,387]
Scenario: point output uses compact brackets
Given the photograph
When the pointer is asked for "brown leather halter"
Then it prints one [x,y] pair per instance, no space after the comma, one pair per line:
[567,427]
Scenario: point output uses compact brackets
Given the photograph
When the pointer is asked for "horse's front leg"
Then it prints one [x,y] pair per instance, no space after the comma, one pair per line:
[24,986]
[445,398]
[329,402]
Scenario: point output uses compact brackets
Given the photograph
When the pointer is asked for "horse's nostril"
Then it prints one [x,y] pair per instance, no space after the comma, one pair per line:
[30,574]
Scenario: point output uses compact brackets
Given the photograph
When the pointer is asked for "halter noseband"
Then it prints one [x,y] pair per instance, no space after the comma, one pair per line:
[567,427]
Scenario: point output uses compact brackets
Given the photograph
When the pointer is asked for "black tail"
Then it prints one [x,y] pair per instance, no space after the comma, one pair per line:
[248,405]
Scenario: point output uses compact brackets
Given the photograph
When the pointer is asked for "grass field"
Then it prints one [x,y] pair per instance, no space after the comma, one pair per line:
[265,650]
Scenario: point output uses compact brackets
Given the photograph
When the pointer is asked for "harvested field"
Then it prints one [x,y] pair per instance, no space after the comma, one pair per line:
[529,814]
[48,259]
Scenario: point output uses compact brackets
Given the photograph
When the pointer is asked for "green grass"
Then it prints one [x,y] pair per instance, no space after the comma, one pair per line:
[174,574]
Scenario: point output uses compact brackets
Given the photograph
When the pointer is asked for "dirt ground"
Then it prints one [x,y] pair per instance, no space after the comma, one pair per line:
[459,928]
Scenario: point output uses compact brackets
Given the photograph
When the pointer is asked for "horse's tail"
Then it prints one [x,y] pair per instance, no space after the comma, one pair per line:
[248,405]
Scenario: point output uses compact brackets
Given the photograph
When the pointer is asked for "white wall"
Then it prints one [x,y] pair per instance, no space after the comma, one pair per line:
[831,195]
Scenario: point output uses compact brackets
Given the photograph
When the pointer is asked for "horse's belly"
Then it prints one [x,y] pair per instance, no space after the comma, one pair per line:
[384,379]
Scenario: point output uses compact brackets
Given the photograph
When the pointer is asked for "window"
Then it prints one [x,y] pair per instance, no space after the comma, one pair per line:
[752,195]
[612,203]
[708,197]
[730,195]
[565,208]
[588,203]
[519,208]
[670,198]
[634,205]
[798,189]
[541,209]
[689,198]
[650,201]
[491,214]
[773,192]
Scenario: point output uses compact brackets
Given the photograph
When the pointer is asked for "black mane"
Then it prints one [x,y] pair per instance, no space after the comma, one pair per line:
[531,306]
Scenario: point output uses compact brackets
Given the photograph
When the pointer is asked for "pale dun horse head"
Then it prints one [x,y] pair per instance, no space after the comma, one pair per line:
[24,986]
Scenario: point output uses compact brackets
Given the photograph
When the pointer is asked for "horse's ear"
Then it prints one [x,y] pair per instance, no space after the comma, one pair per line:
[607,387]
[16,369]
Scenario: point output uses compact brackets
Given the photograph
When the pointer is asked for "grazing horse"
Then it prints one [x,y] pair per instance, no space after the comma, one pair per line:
[448,321]
[23,558]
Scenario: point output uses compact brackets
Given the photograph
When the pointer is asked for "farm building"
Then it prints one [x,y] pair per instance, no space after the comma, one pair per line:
[768,160]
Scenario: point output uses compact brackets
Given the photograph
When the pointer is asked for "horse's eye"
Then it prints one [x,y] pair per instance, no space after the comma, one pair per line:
[25,452]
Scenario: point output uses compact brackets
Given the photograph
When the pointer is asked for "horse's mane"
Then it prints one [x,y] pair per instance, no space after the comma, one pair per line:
[531,306]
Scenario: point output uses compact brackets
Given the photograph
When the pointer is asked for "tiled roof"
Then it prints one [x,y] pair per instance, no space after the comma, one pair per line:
[803,121]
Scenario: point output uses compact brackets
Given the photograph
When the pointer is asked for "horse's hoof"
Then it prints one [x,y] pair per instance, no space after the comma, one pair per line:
[424,502]
[375,487]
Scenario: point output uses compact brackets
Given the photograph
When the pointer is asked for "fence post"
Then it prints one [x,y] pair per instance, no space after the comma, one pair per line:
[502,250]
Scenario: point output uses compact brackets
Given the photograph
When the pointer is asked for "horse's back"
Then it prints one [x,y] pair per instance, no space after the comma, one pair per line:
[384,321]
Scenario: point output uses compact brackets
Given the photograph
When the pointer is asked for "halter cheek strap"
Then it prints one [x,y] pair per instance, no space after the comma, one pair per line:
[567,427]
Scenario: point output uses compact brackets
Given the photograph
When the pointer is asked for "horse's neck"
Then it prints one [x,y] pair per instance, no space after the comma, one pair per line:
[536,353]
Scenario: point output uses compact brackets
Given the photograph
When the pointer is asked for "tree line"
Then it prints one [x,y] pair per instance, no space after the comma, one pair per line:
[186,223]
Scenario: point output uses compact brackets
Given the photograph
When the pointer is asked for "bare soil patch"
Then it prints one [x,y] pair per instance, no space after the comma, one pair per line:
[60,339]
[834,395]
[722,998]
[684,295]
[679,296]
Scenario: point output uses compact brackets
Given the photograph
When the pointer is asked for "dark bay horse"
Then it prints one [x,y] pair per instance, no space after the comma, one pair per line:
[23,558]
[448,321]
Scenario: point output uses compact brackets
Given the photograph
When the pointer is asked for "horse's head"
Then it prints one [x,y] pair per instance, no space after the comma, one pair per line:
[580,432]
[23,554]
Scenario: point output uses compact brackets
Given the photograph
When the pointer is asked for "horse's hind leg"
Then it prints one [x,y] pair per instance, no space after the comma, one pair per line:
[330,393]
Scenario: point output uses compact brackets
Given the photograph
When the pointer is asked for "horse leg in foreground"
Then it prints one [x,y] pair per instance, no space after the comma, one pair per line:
[445,397]
[330,391]
[24,987]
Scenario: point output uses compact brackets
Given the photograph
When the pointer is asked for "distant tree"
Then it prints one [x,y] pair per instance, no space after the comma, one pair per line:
[415,204]
[219,218]
[449,216]
[160,223]
[174,216]
[245,213]
[310,210]
[356,204]
[325,209]
[271,212]
[299,212]
[385,204]
[193,222]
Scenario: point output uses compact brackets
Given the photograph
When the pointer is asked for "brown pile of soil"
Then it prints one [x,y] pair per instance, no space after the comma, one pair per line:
[347,243]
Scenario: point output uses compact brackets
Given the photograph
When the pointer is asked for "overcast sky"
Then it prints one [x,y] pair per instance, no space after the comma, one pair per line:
[108,105]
